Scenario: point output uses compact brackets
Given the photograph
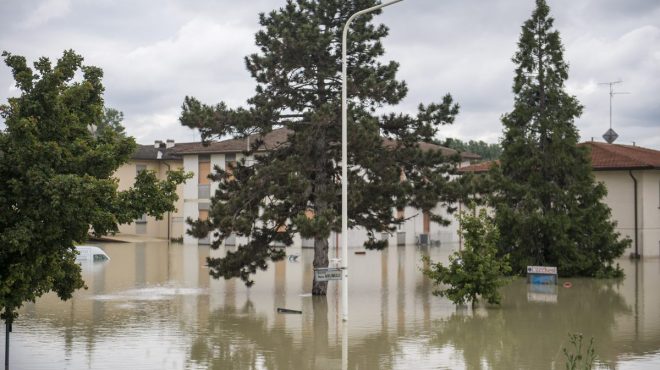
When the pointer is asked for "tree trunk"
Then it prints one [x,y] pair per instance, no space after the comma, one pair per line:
[320,260]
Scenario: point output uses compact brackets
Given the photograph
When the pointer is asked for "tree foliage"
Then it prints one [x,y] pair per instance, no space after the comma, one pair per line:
[56,181]
[549,207]
[112,120]
[486,150]
[298,74]
[476,270]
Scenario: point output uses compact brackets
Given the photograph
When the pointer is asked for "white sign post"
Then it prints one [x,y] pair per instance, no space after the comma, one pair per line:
[327,273]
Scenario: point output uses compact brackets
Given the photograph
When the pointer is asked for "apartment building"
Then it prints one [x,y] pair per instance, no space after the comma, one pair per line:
[160,158]
[201,160]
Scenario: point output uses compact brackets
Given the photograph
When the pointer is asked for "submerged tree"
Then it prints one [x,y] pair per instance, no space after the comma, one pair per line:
[549,207]
[294,187]
[476,271]
[56,183]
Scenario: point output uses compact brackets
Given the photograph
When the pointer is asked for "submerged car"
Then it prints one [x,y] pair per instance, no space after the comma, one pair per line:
[90,253]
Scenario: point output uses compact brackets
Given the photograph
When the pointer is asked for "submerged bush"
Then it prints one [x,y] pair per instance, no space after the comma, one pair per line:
[476,270]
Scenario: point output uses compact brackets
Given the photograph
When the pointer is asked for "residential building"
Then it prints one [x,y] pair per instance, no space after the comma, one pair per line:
[159,158]
[631,175]
[201,159]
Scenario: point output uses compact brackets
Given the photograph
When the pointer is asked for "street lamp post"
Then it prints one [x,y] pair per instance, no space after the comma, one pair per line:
[344,158]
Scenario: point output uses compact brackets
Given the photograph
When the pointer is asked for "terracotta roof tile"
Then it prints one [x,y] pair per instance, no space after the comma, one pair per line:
[279,136]
[271,140]
[479,167]
[603,157]
[616,156]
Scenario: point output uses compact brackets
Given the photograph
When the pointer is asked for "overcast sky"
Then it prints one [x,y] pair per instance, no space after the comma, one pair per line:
[155,52]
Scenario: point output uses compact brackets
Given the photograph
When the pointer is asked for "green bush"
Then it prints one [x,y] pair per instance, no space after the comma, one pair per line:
[575,360]
[476,270]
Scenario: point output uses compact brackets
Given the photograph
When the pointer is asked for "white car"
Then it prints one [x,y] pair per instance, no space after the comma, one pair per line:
[90,253]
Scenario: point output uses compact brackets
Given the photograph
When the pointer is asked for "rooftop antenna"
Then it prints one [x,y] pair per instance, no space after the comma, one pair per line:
[610,135]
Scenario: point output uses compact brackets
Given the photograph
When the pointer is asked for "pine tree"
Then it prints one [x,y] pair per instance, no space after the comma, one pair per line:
[295,188]
[549,207]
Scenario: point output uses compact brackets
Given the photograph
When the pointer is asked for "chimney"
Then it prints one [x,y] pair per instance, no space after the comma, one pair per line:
[157,143]
[169,143]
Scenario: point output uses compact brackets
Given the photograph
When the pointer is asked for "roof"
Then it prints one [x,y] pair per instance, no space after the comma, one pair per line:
[479,167]
[280,136]
[149,152]
[604,157]
[270,140]
[390,143]
[622,157]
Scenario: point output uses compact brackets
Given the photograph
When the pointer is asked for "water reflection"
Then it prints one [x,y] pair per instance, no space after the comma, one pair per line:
[526,335]
[155,306]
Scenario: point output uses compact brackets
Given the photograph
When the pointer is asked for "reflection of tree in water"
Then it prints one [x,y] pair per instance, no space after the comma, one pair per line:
[240,339]
[525,335]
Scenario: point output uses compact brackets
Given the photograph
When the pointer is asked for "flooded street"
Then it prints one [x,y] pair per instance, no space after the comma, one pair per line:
[154,306]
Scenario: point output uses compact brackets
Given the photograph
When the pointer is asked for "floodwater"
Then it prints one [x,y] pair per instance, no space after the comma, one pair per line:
[154,306]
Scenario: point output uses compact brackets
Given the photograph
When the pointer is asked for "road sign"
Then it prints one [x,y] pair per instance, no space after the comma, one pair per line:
[541,274]
[552,270]
[327,274]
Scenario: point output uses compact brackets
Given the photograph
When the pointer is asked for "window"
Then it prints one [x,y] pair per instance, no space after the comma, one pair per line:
[204,215]
[141,225]
[230,162]
[139,168]
[204,169]
[141,220]
[427,222]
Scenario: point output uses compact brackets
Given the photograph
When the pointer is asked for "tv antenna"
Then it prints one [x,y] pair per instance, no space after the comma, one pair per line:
[610,135]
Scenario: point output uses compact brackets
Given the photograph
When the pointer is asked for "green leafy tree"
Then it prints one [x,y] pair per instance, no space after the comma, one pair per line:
[476,270]
[485,150]
[113,120]
[56,183]
[549,207]
[298,75]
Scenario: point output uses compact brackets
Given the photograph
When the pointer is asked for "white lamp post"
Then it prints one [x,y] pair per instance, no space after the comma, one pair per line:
[344,158]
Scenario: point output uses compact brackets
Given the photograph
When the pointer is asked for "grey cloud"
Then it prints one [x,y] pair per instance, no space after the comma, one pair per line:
[156,52]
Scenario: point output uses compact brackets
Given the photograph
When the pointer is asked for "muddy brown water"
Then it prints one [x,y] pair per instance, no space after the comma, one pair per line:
[154,306]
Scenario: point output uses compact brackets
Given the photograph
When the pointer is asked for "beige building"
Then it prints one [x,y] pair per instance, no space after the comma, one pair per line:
[631,175]
[197,192]
[159,158]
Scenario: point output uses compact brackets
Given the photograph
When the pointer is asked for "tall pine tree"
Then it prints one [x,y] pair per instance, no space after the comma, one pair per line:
[549,207]
[298,75]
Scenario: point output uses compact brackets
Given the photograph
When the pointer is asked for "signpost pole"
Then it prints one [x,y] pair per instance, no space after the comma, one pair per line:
[7,331]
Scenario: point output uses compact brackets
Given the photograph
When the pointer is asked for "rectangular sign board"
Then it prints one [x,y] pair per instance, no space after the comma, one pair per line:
[541,274]
[552,270]
[327,274]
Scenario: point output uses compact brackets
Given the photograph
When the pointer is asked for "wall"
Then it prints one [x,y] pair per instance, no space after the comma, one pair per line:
[620,198]
[153,228]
